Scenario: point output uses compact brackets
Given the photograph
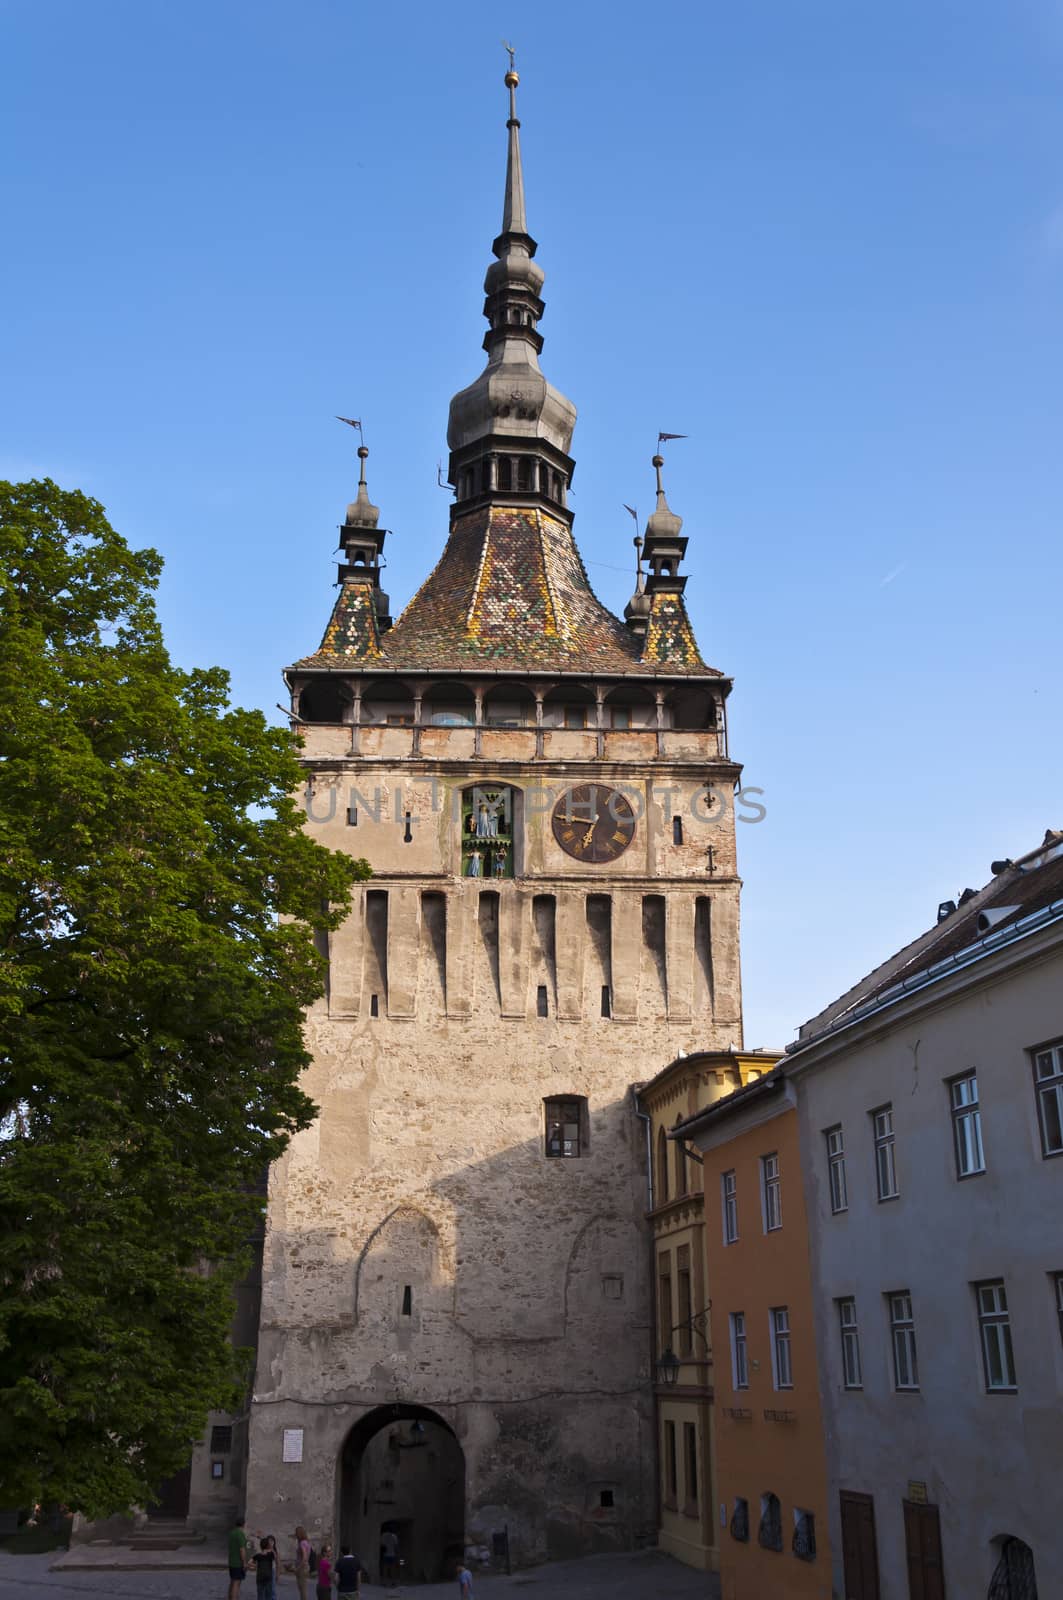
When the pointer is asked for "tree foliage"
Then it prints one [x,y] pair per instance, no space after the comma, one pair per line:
[157,901]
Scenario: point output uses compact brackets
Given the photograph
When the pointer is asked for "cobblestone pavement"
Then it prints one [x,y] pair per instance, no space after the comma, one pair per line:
[645,1576]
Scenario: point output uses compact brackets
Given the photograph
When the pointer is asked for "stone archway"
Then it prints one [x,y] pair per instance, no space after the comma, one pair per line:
[401,1467]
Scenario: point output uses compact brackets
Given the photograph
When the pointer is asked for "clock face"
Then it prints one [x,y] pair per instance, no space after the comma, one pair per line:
[593,823]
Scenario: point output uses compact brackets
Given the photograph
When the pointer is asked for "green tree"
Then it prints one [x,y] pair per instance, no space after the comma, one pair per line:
[157,904]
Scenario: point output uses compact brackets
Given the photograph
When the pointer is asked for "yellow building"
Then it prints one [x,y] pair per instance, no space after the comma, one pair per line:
[770,1479]
[686,1520]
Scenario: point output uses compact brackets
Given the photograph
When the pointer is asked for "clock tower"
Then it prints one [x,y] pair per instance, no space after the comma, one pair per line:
[455,1340]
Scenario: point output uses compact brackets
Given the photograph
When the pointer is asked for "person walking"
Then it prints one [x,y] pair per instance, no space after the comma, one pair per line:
[389,1558]
[324,1573]
[238,1548]
[348,1572]
[302,1561]
[465,1582]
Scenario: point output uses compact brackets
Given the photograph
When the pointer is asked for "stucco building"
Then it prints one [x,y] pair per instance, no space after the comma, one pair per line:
[931,1107]
[683,1353]
[770,1468]
[456,1305]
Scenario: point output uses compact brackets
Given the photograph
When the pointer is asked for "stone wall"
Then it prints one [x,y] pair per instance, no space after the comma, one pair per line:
[423,1252]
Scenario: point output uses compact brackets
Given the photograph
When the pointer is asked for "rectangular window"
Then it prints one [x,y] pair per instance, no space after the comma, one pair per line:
[769,1178]
[619,717]
[670,1475]
[575,717]
[839,1193]
[885,1154]
[664,1300]
[902,1332]
[739,1361]
[966,1125]
[851,1373]
[685,1310]
[1048,1077]
[690,1466]
[780,1347]
[221,1439]
[997,1358]
[564,1124]
[729,1184]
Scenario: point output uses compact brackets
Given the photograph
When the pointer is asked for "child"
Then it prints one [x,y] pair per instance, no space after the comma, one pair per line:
[324,1573]
[265,1560]
[465,1583]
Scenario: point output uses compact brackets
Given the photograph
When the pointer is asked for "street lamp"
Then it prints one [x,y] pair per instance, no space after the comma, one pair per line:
[668,1367]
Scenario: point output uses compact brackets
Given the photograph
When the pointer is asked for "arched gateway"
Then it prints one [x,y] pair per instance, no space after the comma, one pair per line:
[402,1469]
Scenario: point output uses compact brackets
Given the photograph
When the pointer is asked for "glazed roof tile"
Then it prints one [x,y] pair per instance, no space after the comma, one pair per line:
[352,631]
[509,590]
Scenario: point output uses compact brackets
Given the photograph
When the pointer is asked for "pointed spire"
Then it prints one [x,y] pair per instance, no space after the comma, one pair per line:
[510,430]
[663,523]
[637,610]
[361,513]
[514,216]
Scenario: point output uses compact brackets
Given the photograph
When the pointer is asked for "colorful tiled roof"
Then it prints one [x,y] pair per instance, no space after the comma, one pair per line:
[509,590]
[352,631]
[670,639]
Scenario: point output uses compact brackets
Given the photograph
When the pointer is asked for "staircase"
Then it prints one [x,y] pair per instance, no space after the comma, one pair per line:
[165,1533]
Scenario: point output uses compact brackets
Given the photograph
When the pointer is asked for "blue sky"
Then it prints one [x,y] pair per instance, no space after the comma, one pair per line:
[824,239]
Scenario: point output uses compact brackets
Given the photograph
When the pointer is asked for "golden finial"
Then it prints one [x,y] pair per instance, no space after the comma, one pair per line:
[512,77]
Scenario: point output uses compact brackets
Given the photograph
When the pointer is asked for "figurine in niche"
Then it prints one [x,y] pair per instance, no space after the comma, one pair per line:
[500,863]
[476,865]
[487,820]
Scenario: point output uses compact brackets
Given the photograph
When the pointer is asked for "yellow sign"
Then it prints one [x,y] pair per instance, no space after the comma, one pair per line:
[917,1492]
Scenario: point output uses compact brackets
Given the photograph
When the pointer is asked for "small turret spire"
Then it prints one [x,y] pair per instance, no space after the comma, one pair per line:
[361,513]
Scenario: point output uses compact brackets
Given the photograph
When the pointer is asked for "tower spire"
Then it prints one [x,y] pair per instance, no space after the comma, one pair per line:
[514,214]
[510,430]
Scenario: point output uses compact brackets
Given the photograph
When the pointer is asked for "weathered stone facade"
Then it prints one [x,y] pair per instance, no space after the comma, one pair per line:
[527,1326]
[455,1261]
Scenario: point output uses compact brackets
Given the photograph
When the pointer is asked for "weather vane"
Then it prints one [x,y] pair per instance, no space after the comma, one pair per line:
[511,51]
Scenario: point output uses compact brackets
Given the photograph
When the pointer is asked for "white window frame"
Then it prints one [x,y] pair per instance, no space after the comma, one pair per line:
[836,1180]
[782,1369]
[739,1351]
[885,1153]
[994,1327]
[902,1340]
[1048,1086]
[729,1195]
[771,1192]
[967,1125]
[852,1371]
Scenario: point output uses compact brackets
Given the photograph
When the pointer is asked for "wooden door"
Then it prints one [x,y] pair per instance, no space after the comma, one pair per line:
[859,1547]
[173,1495]
[922,1539]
